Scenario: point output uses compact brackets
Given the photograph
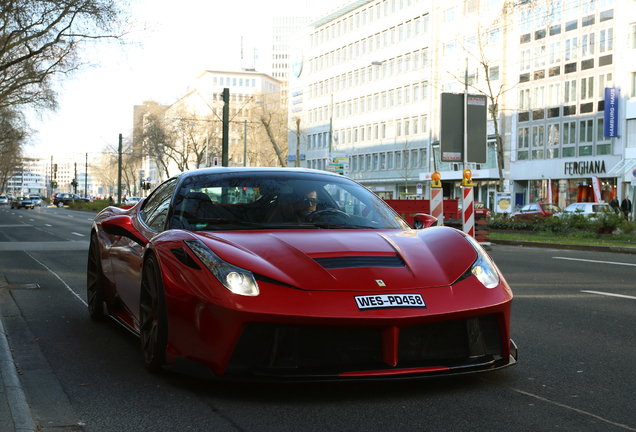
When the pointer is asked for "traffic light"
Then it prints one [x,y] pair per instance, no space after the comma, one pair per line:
[216,161]
[55,171]
[148,186]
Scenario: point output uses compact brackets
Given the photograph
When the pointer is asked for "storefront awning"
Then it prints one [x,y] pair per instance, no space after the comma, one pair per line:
[622,168]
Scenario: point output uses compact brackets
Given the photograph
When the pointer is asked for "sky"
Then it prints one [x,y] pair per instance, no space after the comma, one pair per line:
[174,42]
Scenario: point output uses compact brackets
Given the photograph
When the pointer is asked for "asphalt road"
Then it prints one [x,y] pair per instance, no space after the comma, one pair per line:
[573,319]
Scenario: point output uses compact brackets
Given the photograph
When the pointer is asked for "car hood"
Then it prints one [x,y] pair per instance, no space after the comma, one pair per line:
[360,260]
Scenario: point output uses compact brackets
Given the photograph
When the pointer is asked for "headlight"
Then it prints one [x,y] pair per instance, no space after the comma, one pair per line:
[236,279]
[483,268]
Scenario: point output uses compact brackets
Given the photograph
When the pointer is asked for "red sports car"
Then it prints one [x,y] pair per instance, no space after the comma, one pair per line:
[294,274]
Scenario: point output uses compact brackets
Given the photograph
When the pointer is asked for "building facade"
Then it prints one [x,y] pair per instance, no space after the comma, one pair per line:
[367,78]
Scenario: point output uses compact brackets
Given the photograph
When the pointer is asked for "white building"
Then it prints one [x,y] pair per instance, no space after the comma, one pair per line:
[367,80]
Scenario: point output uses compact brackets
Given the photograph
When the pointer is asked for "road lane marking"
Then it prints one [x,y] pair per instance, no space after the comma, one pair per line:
[623,426]
[55,274]
[48,225]
[78,234]
[595,261]
[609,294]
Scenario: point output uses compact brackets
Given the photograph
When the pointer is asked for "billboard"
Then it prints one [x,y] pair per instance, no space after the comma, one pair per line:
[610,129]
[452,128]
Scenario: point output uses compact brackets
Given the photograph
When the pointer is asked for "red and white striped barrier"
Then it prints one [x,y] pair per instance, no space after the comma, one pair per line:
[468,211]
[437,205]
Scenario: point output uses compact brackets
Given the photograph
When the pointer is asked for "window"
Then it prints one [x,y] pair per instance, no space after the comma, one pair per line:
[155,211]
[633,84]
[494,36]
[606,42]
[571,49]
[539,16]
[538,97]
[632,36]
[604,80]
[553,141]
[555,52]
[524,99]
[570,91]
[538,141]
[449,48]
[539,56]
[522,143]
[524,64]
[587,45]
[586,137]
[556,8]
[449,15]
[554,94]
[587,88]
[569,135]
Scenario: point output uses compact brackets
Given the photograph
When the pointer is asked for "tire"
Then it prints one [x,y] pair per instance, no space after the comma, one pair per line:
[95,291]
[153,317]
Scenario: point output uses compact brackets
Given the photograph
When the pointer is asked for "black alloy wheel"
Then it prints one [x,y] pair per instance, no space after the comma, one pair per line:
[95,291]
[153,317]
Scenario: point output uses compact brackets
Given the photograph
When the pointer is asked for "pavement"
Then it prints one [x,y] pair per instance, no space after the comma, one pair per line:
[21,412]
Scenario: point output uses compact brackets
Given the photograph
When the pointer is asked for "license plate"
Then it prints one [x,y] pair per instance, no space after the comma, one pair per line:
[390,301]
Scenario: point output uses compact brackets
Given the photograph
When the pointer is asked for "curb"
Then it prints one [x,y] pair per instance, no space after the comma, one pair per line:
[592,248]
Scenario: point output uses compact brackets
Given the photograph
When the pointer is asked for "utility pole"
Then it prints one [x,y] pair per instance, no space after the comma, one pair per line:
[86,178]
[245,144]
[119,173]
[75,180]
[226,127]
[298,142]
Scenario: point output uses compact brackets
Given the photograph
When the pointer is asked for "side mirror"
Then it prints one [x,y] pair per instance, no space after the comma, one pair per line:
[423,220]
[122,226]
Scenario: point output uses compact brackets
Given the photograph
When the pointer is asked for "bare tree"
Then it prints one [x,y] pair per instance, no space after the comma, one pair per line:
[277,136]
[494,86]
[195,137]
[13,134]
[42,39]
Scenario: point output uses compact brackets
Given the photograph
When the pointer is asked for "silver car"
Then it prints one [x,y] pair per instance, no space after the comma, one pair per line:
[4,200]
[36,200]
[586,209]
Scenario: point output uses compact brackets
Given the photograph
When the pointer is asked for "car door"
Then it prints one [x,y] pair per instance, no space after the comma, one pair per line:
[127,255]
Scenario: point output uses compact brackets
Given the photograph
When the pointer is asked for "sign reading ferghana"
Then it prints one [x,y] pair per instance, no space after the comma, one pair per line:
[452,128]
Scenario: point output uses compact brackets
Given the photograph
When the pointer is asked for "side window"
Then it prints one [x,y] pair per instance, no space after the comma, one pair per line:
[155,210]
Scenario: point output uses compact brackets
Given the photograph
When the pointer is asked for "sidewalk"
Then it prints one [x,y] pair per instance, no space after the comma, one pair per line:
[15,414]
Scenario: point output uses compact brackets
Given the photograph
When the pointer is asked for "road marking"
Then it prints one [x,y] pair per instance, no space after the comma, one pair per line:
[610,294]
[48,225]
[55,274]
[626,427]
[78,234]
[595,261]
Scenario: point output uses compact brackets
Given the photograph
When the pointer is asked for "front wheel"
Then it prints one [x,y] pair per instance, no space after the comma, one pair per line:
[95,291]
[153,316]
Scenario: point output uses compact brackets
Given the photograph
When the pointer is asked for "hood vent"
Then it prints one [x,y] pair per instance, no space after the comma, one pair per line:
[360,261]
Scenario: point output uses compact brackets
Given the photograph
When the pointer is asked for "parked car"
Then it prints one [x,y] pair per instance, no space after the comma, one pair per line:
[536,211]
[4,200]
[295,275]
[37,200]
[62,199]
[481,211]
[22,202]
[132,200]
[586,209]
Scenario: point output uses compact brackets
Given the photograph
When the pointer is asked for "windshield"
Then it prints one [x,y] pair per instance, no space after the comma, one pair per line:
[275,200]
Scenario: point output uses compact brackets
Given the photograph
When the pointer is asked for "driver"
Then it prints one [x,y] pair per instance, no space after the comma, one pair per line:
[307,202]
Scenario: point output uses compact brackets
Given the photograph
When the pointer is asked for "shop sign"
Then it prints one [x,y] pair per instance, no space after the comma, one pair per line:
[583,168]
[610,129]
